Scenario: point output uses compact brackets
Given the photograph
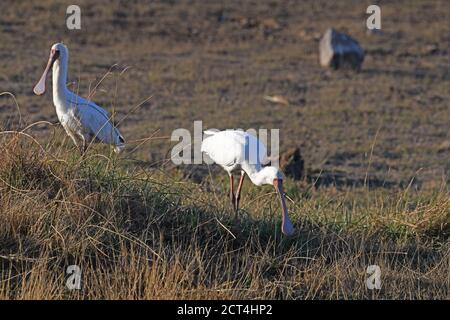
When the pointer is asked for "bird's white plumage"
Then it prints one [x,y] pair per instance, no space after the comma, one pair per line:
[83,120]
[235,150]
[90,121]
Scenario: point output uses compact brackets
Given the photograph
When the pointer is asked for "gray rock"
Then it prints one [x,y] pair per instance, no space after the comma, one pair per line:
[338,50]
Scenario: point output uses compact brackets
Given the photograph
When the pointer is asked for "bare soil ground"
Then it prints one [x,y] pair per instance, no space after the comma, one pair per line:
[215,62]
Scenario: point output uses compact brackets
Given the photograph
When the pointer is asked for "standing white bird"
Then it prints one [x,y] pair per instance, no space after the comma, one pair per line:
[83,120]
[239,151]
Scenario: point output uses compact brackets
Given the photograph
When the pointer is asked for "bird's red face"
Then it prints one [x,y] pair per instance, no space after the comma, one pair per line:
[287,228]
[39,88]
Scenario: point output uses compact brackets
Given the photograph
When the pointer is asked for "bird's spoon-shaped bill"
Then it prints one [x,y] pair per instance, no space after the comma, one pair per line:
[286,227]
[39,88]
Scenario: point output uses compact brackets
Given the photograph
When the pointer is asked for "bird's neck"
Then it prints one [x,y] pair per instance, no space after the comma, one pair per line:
[59,78]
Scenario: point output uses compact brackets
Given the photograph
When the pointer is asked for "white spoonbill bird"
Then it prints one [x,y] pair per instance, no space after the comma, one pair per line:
[83,120]
[237,151]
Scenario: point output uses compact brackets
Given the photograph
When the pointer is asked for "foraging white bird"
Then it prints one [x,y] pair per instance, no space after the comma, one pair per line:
[239,151]
[83,120]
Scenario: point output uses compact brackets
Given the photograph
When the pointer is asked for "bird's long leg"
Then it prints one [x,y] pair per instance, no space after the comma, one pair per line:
[238,192]
[232,197]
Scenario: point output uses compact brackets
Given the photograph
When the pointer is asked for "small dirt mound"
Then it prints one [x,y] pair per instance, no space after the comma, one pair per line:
[292,163]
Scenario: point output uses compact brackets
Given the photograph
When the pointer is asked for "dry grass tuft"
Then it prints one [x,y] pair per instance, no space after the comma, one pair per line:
[137,236]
